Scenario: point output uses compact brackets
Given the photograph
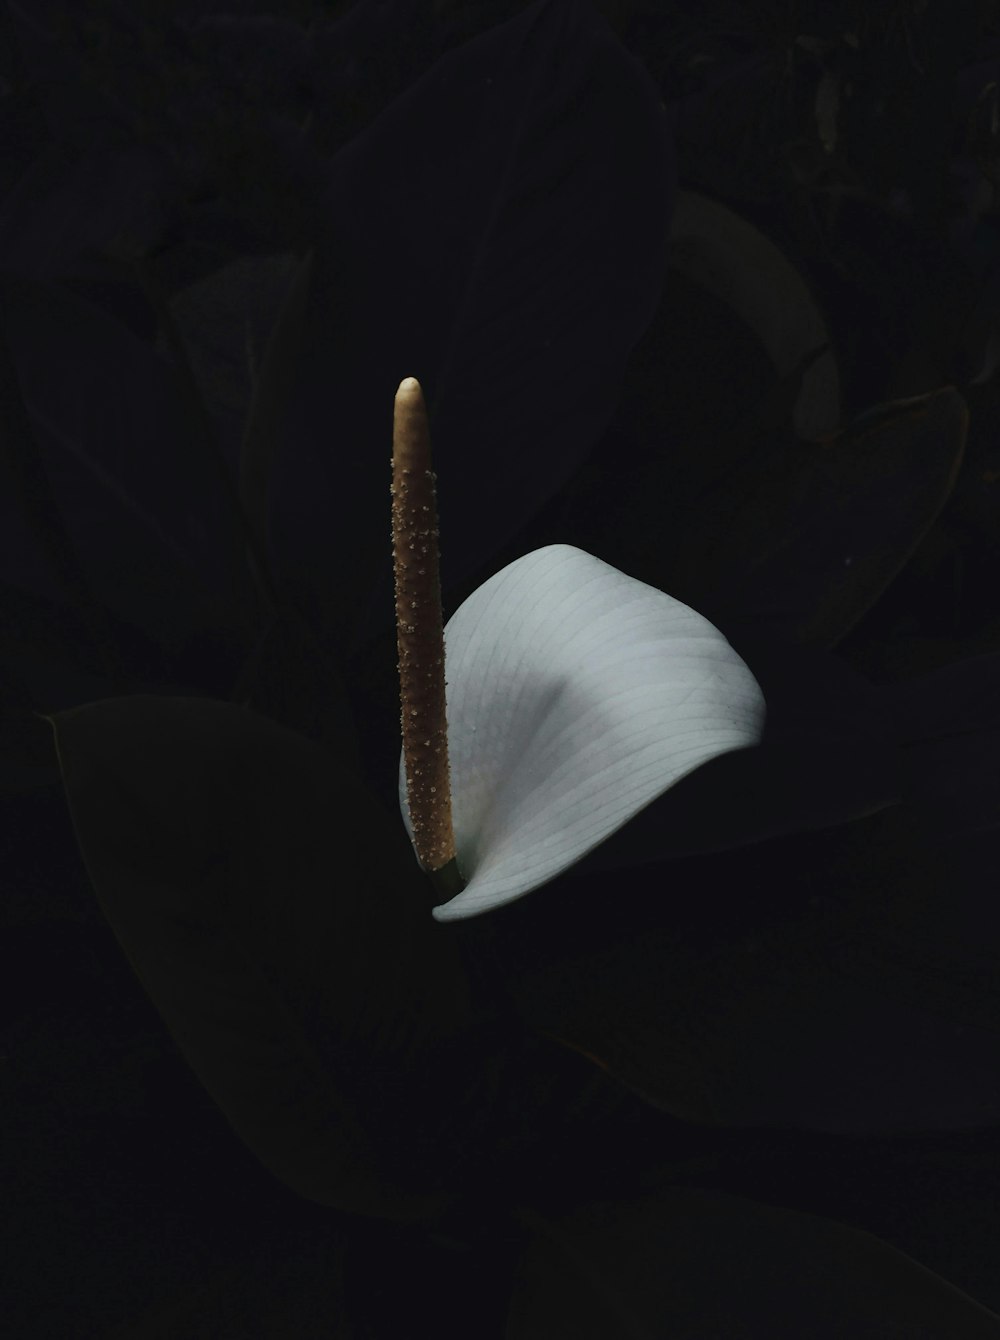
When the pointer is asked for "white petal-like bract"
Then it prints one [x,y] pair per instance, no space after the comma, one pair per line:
[576,695]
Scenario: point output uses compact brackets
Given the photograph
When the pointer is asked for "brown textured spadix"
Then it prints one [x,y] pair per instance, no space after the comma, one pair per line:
[420,631]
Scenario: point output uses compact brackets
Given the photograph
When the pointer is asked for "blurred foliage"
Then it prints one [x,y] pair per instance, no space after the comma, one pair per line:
[825,101]
[166,165]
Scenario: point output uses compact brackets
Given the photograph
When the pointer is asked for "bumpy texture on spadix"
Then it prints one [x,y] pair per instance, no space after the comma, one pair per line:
[576,696]
[418,629]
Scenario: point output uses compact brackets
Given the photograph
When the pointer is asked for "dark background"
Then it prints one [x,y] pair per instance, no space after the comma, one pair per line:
[143,176]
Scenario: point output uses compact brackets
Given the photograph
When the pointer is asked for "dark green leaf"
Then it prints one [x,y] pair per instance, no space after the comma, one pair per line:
[201,444]
[291,677]
[809,1017]
[725,254]
[126,474]
[277,919]
[270,394]
[27,759]
[27,486]
[499,232]
[702,1265]
[807,538]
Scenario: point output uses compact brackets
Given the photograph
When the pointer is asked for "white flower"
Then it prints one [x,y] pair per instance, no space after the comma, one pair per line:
[576,695]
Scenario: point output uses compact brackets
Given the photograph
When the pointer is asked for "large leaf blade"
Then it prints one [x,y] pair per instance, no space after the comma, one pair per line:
[769,989]
[266,905]
[499,231]
[697,1265]
[126,473]
[807,538]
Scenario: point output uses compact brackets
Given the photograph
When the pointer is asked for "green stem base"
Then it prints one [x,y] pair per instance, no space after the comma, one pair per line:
[447,880]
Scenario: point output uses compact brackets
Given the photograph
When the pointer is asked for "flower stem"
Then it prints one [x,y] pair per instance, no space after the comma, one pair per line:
[420,640]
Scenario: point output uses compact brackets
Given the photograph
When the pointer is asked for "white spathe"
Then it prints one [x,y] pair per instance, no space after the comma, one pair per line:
[576,695]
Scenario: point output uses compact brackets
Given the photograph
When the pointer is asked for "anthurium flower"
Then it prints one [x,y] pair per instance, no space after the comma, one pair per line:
[576,695]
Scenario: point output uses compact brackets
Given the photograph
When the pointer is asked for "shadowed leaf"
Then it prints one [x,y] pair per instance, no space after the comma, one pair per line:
[27,759]
[293,679]
[951,716]
[731,258]
[268,907]
[807,538]
[271,389]
[499,232]
[700,1265]
[866,1004]
[27,486]
[124,470]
